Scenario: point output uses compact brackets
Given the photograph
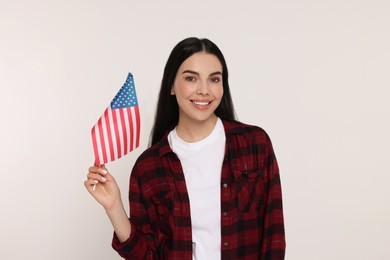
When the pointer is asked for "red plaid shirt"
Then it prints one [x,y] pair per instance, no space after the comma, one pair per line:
[252,224]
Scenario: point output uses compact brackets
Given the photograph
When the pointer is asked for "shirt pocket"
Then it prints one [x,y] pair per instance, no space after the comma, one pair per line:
[249,187]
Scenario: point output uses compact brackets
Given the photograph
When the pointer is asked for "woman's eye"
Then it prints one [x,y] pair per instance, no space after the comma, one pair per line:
[190,78]
[215,80]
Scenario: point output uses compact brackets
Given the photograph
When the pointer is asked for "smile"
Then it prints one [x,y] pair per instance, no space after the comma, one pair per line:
[198,103]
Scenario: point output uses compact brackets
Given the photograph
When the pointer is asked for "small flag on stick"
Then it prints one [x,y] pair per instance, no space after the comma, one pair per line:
[117,131]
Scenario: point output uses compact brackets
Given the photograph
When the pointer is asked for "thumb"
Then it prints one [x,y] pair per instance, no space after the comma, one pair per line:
[108,176]
[102,166]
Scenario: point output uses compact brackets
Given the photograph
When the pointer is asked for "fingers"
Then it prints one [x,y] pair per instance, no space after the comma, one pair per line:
[96,177]
[90,184]
[99,170]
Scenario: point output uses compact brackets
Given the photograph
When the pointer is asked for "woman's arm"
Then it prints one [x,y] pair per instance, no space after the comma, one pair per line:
[274,244]
[103,187]
[130,242]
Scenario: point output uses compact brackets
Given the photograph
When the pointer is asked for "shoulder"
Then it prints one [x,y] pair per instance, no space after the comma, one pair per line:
[150,161]
[242,130]
[150,153]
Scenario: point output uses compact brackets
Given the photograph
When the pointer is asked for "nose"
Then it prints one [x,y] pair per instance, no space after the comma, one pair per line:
[203,88]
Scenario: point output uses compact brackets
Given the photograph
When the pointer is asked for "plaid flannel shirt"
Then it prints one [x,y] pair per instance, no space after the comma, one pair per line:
[252,225]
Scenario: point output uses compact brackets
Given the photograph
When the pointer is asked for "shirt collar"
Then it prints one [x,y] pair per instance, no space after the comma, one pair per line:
[231,128]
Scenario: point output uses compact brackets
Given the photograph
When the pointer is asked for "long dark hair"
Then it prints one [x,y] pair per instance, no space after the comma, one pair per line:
[167,113]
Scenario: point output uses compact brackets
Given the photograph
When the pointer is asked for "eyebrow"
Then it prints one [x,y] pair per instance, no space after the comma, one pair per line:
[197,73]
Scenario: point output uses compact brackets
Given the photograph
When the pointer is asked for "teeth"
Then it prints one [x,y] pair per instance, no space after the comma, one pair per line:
[200,103]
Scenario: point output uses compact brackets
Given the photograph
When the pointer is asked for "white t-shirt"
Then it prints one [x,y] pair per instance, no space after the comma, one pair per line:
[202,165]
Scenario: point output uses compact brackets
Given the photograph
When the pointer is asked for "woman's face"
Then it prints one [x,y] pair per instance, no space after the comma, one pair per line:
[198,88]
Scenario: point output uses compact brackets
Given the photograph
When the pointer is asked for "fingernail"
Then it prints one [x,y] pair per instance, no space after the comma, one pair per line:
[103,179]
[104,171]
[96,181]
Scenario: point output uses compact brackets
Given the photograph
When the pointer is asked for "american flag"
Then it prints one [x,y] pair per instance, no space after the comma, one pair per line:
[117,131]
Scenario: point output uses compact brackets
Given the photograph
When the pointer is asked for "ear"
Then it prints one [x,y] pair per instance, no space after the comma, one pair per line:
[172,91]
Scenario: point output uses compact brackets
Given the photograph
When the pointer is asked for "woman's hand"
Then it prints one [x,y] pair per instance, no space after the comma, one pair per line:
[103,187]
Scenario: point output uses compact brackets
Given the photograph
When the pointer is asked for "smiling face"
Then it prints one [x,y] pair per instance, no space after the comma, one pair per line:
[198,88]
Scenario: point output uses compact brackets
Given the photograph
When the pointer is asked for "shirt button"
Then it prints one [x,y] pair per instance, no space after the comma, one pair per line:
[225,185]
[226,243]
[224,214]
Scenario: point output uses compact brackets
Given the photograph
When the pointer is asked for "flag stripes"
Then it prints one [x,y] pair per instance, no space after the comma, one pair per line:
[108,146]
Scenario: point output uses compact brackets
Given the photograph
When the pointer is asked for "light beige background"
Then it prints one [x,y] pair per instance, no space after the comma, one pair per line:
[314,74]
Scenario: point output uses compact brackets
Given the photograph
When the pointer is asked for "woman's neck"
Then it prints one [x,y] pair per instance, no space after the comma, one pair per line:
[193,131]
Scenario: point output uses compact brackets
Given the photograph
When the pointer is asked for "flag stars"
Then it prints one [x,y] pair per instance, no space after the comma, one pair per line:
[126,96]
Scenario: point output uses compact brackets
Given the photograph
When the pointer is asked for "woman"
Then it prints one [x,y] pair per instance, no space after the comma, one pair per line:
[208,187]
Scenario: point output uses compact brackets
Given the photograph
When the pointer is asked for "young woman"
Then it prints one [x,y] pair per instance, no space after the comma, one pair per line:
[209,186]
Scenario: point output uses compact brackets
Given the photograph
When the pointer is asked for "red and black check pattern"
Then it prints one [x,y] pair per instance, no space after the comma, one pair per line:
[252,225]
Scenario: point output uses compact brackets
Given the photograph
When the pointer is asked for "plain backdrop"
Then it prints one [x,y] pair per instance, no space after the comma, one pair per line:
[314,74]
